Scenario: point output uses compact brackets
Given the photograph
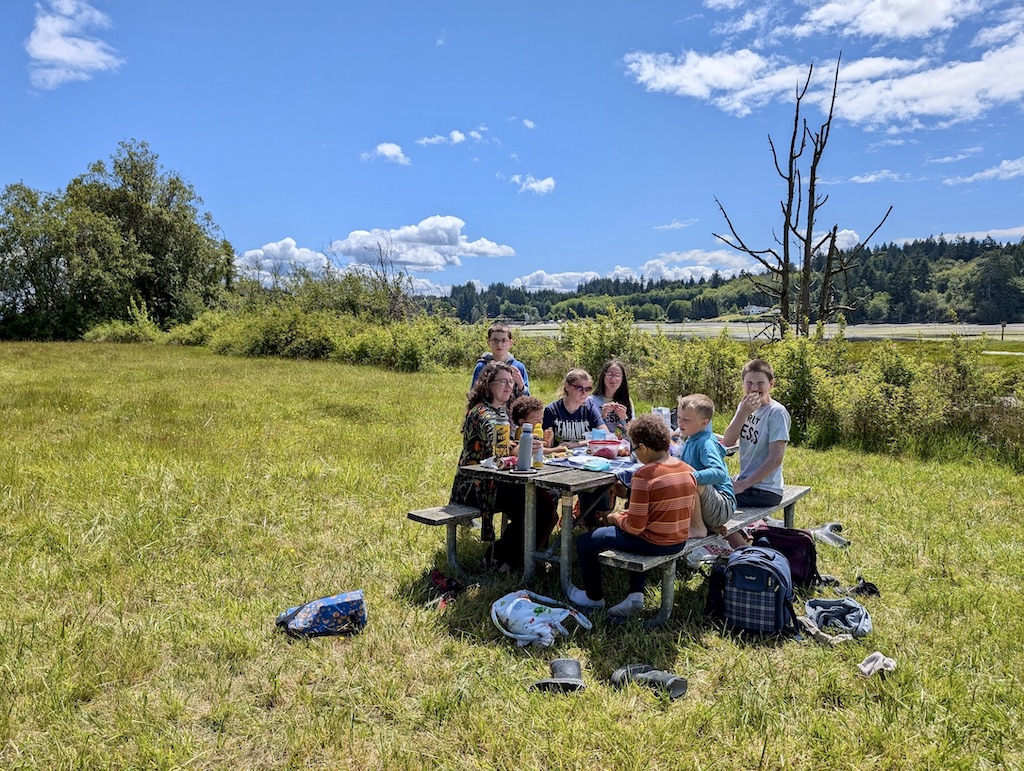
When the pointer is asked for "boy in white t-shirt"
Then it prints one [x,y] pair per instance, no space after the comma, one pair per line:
[761,428]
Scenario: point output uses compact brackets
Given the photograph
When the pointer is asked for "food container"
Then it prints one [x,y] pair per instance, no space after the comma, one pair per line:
[603,448]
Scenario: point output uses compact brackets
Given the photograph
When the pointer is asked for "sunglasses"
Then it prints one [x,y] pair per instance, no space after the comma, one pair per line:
[583,389]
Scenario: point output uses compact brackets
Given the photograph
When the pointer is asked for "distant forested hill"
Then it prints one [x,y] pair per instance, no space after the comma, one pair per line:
[920,281]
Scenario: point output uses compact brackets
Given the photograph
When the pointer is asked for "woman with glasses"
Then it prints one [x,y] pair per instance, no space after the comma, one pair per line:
[488,401]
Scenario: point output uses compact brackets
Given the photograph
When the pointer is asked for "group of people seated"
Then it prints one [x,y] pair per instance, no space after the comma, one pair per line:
[682,490]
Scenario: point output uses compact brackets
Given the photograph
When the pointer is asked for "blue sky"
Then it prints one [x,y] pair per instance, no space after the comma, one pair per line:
[534,143]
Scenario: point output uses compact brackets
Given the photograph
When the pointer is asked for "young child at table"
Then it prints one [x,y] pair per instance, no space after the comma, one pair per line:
[761,426]
[716,500]
[657,521]
[507,552]
[499,341]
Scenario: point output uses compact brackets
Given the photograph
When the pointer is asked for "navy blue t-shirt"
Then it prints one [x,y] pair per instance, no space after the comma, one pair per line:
[569,426]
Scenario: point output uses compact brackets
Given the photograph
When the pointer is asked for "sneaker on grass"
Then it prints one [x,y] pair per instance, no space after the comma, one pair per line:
[708,553]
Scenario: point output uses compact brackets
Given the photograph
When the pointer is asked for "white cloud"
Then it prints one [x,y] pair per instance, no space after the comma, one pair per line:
[723,5]
[960,156]
[278,258]
[533,185]
[883,175]
[953,92]
[60,49]
[874,91]
[693,263]
[425,286]
[677,224]
[529,123]
[431,245]
[1011,25]
[1005,170]
[885,18]
[561,282]
[390,152]
[673,266]
[453,137]
[1000,235]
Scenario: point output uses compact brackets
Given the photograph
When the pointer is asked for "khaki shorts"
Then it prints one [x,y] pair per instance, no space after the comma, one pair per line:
[715,508]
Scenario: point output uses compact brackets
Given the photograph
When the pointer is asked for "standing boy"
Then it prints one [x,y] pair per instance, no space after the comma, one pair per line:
[716,500]
[761,426]
[499,340]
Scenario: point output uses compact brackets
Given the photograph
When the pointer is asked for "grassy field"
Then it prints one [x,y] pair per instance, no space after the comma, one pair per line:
[159,506]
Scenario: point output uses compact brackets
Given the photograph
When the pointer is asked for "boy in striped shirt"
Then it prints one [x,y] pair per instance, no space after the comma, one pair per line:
[657,521]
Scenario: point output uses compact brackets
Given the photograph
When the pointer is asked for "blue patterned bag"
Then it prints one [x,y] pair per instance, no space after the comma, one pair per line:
[339,614]
[753,591]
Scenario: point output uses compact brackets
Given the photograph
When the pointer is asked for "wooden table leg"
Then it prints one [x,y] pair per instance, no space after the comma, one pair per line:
[529,530]
[566,544]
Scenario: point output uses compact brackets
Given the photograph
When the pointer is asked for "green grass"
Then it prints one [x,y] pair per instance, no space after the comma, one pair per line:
[159,506]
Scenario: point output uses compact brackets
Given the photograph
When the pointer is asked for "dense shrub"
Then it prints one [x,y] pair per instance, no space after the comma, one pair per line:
[199,331]
[590,343]
[932,401]
[277,332]
[122,332]
[697,365]
[140,328]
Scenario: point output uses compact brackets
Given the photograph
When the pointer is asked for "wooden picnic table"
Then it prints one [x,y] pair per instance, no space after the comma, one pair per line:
[567,482]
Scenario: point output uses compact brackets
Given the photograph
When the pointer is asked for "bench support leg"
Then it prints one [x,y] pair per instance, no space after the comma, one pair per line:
[451,542]
[789,515]
[668,595]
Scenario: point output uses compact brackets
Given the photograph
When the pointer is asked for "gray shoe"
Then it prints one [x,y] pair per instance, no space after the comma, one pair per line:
[666,682]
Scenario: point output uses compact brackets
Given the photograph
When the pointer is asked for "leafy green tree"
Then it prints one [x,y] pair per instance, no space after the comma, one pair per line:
[118,236]
[180,267]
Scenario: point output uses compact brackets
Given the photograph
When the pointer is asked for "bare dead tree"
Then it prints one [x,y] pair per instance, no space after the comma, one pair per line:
[779,263]
[391,287]
[839,263]
[819,140]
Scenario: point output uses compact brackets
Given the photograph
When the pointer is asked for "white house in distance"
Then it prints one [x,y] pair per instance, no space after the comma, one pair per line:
[754,310]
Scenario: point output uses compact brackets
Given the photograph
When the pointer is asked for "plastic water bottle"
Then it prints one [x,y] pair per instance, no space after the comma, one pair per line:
[525,459]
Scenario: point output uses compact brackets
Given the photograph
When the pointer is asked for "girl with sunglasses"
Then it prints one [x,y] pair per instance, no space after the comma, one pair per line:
[569,417]
[573,413]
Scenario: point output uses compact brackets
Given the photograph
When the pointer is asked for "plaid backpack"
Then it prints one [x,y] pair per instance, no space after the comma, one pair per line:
[753,591]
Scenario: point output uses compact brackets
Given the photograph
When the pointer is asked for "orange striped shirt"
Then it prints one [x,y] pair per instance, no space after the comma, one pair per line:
[661,502]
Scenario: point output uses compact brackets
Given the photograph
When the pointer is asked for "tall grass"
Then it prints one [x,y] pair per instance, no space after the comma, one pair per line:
[160,505]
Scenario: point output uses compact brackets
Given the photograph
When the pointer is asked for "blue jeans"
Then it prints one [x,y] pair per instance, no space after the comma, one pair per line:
[589,545]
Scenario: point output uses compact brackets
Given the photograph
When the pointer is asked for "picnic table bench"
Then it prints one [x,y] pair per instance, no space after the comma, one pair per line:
[642,563]
[450,515]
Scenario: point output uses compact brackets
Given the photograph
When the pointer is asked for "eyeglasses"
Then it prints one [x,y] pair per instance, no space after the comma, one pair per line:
[503,381]
[583,389]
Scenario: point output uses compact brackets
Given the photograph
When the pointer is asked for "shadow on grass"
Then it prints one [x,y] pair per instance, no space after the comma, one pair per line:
[609,645]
